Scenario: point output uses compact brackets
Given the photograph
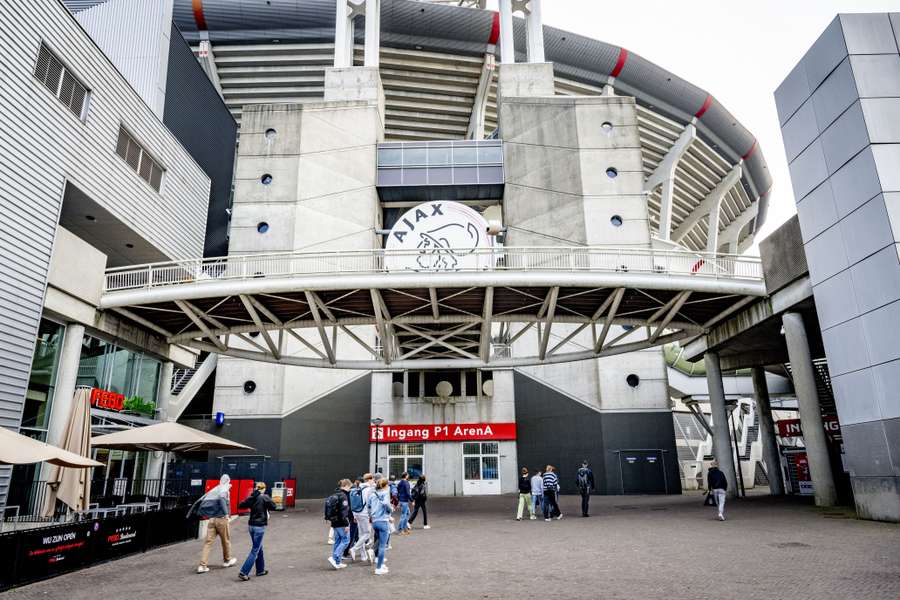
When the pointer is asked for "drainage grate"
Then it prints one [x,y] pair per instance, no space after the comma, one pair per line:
[790,545]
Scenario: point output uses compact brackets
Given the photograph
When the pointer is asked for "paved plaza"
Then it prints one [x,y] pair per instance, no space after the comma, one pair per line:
[632,547]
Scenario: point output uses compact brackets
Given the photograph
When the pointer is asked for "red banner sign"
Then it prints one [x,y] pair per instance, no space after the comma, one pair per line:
[107,400]
[792,428]
[450,432]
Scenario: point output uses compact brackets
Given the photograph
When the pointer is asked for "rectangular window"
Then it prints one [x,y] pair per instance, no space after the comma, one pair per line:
[139,159]
[50,71]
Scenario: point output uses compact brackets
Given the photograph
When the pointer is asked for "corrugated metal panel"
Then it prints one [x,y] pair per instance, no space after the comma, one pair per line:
[134,35]
[783,257]
[76,6]
[44,144]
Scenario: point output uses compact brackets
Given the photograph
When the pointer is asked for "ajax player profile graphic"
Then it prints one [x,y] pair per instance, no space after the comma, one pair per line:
[438,236]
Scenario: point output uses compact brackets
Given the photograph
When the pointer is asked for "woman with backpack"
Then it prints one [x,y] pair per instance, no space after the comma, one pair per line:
[379,507]
[420,498]
[337,511]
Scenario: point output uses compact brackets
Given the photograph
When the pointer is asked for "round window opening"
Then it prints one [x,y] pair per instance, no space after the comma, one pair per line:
[271,133]
[607,127]
[616,221]
[267,179]
[262,227]
[249,386]
[612,172]
[633,380]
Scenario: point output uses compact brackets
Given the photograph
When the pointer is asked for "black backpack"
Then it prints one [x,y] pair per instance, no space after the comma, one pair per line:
[333,506]
[584,481]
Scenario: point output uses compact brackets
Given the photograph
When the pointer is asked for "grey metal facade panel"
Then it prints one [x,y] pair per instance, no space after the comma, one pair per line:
[197,116]
[76,6]
[868,33]
[826,53]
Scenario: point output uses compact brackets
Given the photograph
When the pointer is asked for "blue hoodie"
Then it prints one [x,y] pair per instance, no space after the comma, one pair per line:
[379,506]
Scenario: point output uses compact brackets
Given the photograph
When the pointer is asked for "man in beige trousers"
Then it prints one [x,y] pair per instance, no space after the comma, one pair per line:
[214,505]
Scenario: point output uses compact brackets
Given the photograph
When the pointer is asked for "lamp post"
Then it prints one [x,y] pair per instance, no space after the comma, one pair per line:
[377,421]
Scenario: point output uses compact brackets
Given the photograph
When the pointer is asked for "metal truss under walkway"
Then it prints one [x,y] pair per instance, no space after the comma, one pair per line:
[348,310]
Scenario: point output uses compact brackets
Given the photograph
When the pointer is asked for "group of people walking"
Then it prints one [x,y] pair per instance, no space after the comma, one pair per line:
[360,516]
[540,491]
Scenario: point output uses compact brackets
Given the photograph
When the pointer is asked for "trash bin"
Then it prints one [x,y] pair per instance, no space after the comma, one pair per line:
[278,493]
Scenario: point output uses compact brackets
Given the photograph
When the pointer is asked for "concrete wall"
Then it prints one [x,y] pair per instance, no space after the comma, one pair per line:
[839,109]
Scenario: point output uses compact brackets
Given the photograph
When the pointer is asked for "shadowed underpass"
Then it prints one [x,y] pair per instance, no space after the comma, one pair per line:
[632,547]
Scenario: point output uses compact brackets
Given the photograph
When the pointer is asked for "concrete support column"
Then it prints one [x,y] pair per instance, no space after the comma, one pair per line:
[810,411]
[373,32]
[66,377]
[665,209]
[767,432]
[507,44]
[64,391]
[343,35]
[164,396]
[721,435]
[534,28]
[712,238]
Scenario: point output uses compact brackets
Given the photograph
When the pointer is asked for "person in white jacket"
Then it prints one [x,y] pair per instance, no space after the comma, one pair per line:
[363,524]
[537,491]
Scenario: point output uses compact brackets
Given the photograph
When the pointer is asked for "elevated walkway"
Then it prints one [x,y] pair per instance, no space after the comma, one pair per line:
[465,318]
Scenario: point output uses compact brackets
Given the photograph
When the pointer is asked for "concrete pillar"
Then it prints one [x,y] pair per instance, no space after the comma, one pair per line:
[810,411]
[343,35]
[767,432]
[164,395]
[373,32]
[507,44]
[64,392]
[534,29]
[721,436]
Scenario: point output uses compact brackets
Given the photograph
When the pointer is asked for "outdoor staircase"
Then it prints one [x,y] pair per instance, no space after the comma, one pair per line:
[187,382]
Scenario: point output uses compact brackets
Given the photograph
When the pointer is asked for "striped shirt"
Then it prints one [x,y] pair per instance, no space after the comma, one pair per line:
[550,481]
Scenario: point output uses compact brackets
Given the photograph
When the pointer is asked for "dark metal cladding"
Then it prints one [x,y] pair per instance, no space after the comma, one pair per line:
[439,28]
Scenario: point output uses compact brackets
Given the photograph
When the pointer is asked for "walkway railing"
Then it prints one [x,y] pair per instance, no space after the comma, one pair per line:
[572,259]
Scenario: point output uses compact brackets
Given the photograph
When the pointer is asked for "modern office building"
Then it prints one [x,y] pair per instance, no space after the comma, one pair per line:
[840,117]
[97,172]
[360,121]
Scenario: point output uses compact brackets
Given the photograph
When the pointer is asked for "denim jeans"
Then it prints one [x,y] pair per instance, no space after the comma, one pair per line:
[536,502]
[551,508]
[719,495]
[341,541]
[256,552]
[382,528]
[404,516]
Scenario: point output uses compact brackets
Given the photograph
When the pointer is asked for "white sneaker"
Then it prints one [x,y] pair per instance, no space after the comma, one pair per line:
[230,562]
[389,547]
[559,517]
[427,527]
[382,571]
[353,554]
[343,565]
[202,569]
[533,517]
[547,520]
[333,563]
[371,554]
[721,517]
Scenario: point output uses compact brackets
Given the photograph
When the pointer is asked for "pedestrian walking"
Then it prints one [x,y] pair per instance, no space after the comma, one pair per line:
[215,506]
[537,491]
[584,479]
[337,513]
[380,508]
[354,528]
[259,504]
[551,490]
[404,497]
[717,483]
[524,495]
[358,498]
[420,497]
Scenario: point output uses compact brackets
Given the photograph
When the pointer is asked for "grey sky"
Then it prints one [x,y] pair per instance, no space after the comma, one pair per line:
[738,51]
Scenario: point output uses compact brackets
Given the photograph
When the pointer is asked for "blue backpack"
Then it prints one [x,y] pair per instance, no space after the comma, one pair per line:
[356,501]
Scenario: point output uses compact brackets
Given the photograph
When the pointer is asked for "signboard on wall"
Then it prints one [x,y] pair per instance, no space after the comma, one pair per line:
[107,400]
[792,427]
[438,236]
[445,432]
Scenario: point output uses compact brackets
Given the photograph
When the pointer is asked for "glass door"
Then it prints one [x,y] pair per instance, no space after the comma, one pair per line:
[409,458]
[481,468]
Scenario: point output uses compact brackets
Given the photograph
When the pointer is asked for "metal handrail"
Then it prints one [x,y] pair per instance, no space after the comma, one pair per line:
[521,259]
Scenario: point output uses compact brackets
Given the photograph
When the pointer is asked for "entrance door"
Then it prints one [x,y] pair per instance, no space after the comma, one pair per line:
[481,468]
[643,472]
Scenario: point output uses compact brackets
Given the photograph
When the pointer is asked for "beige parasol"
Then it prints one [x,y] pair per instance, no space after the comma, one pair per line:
[17,449]
[73,486]
[166,437]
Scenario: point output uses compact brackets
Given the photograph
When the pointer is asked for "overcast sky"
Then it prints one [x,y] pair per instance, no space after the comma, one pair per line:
[737,51]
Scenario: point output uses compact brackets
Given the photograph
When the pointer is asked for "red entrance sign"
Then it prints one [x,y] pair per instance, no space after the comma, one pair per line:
[107,400]
[450,432]
[792,428]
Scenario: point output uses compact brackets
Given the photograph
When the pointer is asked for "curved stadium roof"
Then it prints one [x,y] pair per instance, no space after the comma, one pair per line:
[431,59]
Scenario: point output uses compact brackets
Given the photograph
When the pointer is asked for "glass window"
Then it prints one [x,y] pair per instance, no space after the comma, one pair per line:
[464,175]
[41,382]
[122,365]
[438,155]
[470,448]
[390,157]
[92,366]
[472,467]
[147,383]
[415,156]
[415,176]
[490,467]
[442,176]
[490,448]
[465,155]
[490,154]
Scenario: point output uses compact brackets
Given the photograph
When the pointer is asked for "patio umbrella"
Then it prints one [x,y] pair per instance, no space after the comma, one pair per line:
[73,486]
[17,449]
[165,437]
